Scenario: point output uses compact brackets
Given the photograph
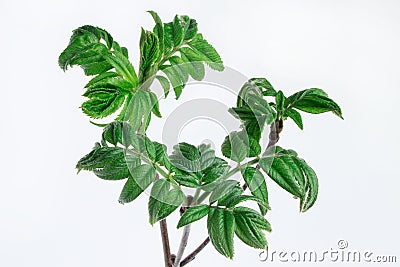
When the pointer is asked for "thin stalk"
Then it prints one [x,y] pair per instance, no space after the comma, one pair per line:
[183,244]
[185,234]
[165,242]
[193,255]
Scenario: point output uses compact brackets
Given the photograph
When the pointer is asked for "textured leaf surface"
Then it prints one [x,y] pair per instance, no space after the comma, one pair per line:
[223,189]
[313,101]
[295,116]
[221,229]
[86,50]
[207,52]
[163,201]
[193,214]
[292,174]
[141,177]
[238,145]
[256,182]
[247,230]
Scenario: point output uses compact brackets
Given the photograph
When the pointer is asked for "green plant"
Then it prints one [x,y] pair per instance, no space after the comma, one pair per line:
[171,53]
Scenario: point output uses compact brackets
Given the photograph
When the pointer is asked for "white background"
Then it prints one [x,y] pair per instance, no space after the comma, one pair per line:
[49,216]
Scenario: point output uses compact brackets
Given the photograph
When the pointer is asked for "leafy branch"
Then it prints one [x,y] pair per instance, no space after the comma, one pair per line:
[171,54]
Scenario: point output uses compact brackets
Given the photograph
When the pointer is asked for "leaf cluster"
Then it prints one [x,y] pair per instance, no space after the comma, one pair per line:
[172,53]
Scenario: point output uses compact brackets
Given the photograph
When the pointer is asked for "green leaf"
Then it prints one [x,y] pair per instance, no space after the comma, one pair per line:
[102,105]
[107,93]
[180,68]
[174,78]
[239,199]
[223,189]
[193,63]
[280,167]
[101,77]
[164,83]
[91,60]
[256,183]
[138,110]
[187,180]
[248,233]
[122,66]
[243,113]
[247,230]
[118,170]
[107,83]
[155,104]
[141,145]
[259,221]
[295,116]
[108,163]
[236,192]
[180,36]
[150,55]
[177,31]
[206,52]
[207,156]
[280,101]
[150,148]
[217,169]
[189,27]
[120,132]
[96,52]
[234,197]
[168,38]
[193,214]
[260,107]
[141,177]
[313,101]
[100,157]
[221,228]
[253,124]
[234,147]
[292,174]
[161,155]
[264,85]
[238,145]
[158,29]
[311,191]
[186,157]
[163,201]
[252,109]
[85,49]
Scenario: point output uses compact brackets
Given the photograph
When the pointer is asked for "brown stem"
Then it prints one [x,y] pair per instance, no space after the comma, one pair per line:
[276,129]
[165,242]
[192,255]
[185,235]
